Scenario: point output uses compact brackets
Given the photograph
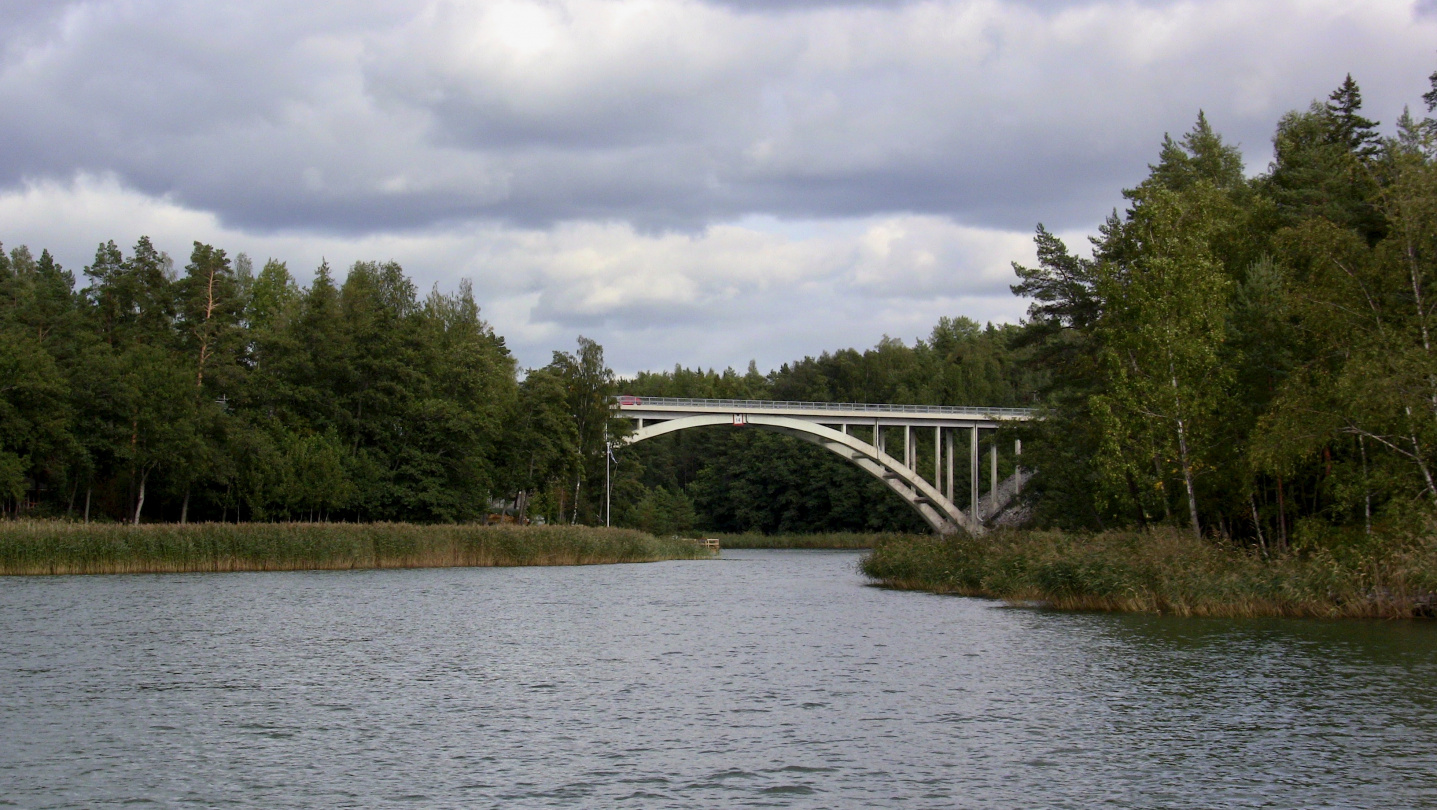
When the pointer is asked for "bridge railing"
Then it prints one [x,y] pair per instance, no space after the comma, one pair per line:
[776,405]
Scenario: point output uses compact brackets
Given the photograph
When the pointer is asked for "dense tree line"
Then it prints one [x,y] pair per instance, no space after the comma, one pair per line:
[1249,357]
[214,392]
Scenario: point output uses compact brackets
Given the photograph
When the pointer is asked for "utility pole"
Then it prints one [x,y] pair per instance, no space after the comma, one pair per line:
[608,456]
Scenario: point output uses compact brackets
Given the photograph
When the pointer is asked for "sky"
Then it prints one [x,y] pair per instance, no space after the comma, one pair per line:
[686,182]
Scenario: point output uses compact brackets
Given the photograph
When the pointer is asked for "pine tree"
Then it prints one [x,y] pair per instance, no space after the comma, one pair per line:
[1349,129]
[1324,165]
[1201,155]
[210,309]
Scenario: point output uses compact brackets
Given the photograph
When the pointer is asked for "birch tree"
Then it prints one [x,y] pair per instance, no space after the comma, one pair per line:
[1160,336]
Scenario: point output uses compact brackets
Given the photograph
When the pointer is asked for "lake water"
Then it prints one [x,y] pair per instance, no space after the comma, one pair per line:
[765,679]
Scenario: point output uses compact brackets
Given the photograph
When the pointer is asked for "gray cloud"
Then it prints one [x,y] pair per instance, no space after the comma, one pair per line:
[701,182]
[669,115]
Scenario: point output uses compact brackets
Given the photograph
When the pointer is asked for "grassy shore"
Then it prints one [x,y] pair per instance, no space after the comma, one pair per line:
[55,547]
[1165,572]
[849,540]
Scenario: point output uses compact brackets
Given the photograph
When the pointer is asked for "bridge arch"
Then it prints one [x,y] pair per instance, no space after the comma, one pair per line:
[937,511]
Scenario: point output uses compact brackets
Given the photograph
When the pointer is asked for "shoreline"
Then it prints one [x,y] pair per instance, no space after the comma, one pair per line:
[1163,572]
[57,548]
[818,540]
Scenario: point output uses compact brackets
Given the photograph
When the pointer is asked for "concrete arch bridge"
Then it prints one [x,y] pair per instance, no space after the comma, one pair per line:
[860,433]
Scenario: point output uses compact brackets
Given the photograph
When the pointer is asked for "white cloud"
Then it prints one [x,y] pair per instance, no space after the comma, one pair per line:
[826,284]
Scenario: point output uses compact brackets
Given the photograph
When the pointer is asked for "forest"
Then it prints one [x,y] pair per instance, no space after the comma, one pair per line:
[217,393]
[1242,356]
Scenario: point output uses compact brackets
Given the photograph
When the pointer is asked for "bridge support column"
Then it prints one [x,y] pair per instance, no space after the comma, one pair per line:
[949,491]
[908,446]
[993,475]
[937,458]
[974,472]
[1017,453]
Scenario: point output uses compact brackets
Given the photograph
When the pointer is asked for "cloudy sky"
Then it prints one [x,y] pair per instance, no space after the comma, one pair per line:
[686,182]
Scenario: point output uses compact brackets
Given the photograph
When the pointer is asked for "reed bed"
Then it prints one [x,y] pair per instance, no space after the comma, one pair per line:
[1165,572]
[55,547]
[842,540]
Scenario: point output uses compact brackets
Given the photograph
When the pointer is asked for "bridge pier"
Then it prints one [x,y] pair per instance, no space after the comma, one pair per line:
[949,491]
[993,467]
[973,473]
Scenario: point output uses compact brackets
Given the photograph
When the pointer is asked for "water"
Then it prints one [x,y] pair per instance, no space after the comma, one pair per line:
[767,679]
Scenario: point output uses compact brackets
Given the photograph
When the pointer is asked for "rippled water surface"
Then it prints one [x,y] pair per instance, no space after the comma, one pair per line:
[766,679]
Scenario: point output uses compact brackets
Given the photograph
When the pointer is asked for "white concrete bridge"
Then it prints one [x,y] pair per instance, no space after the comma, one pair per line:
[861,433]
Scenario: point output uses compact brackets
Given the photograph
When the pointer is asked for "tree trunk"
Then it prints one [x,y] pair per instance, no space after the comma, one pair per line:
[1281,518]
[1137,499]
[204,334]
[1162,486]
[1414,270]
[1188,480]
[1422,465]
[140,504]
[185,508]
[1366,490]
[89,487]
[134,443]
[575,518]
[1257,525]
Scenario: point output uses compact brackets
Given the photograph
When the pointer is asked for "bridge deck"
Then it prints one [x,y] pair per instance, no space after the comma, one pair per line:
[853,413]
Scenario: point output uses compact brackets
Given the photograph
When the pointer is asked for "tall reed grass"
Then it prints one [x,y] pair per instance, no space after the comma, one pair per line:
[1165,571]
[56,547]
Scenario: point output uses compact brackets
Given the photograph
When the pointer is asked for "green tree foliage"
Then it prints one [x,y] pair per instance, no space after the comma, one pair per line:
[588,396]
[220,394]
[1249,357]
[1367,316]
[540,445]
[271,297]
[1323,165]
[1161,335]
[664,512]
